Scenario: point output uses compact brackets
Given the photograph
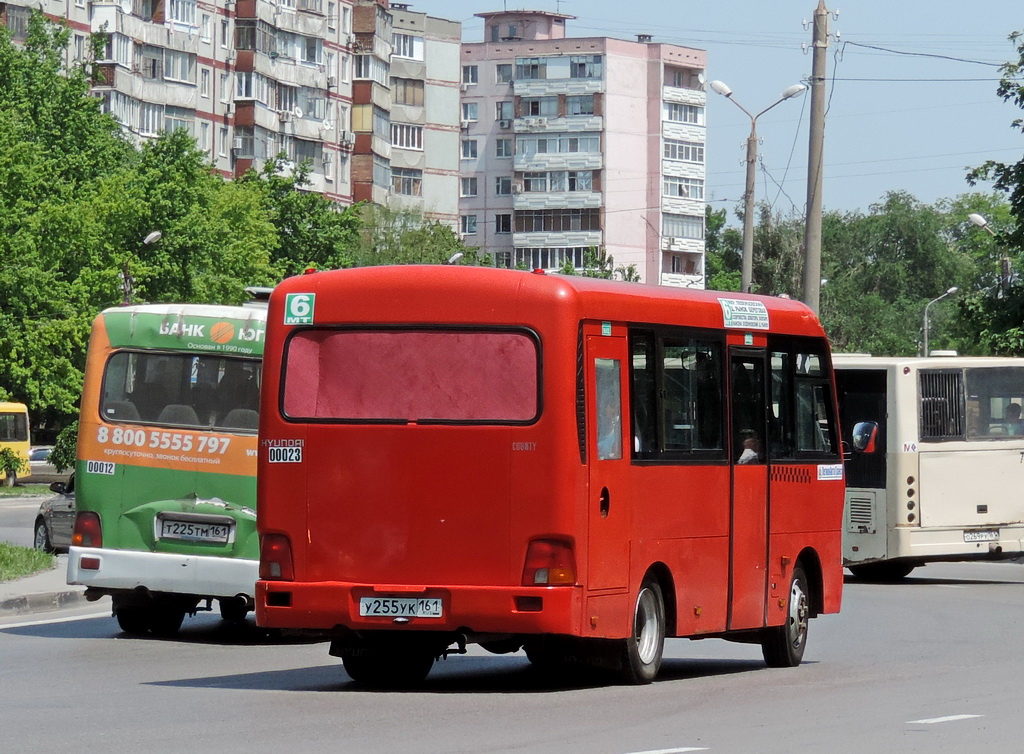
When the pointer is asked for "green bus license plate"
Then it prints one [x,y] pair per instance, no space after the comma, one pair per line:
[401,607]
[191,531]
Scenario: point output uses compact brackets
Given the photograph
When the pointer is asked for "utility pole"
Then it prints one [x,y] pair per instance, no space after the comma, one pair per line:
[812,224]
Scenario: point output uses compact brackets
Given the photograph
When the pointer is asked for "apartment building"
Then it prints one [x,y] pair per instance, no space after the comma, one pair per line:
[247,78]
[570,143]
[250,79]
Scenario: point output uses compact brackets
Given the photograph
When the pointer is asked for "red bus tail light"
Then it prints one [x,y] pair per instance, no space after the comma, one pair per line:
[87,531]
[276,558]
[549,562]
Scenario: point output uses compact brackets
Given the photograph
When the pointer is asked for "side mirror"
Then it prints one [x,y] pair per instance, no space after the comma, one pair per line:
[865,434]
[58,487]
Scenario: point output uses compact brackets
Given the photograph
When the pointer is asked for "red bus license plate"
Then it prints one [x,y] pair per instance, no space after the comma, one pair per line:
[401,607]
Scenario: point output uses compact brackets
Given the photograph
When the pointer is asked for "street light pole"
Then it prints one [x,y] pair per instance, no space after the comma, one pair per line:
[747,263]
[927,306]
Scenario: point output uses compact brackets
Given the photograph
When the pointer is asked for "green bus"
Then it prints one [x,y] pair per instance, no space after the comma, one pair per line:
[166,463]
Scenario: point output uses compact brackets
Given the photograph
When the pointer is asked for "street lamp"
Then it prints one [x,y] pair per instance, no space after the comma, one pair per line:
[747,267]
[950,292]
[981,222]
[1005,272]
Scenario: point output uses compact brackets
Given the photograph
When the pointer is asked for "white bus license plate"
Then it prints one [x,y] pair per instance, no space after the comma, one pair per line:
[401,607]
[988,535]
[191,531]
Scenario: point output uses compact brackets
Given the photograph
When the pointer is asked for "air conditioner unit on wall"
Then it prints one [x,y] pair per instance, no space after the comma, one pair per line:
[284,116]
[504,123]
[517,188]
[465,125]
[237,143]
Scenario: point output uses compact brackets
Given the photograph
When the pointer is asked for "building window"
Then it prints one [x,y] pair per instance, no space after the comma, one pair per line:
[469,149]
[557,220]
[407,136]
[222,149]
[583,105]
[407,92]
[205,28]
[581,180]
[179,66]
[531,68]
[546,258]
[684,151]
[683,188]
[677,113]
[503,185]
[470,111]
[469,74]
[545,106]
[151,119]
[535,182]
[549,144]
[406,181]
[204,82]
[682,226]
[182,11]
[371,67]
[503,73]
[503,224]
[468,225]
[467,186]
[683,78]
[585,67]
[407,46]
[503,148]
[503,111]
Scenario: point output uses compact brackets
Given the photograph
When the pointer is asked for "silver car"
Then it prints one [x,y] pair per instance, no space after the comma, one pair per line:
[56,518]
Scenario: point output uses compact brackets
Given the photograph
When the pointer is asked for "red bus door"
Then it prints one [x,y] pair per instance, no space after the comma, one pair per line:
[748,541]
[608,458]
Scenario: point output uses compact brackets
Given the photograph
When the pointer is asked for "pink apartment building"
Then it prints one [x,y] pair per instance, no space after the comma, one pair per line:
[570,143]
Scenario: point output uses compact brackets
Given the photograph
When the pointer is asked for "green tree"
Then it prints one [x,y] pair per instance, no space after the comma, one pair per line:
[881,270]
[723,252]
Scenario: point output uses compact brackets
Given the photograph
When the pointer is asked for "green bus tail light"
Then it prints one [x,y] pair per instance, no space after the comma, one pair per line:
[87,531]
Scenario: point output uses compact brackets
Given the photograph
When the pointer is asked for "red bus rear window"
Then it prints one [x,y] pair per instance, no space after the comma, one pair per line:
[412,375]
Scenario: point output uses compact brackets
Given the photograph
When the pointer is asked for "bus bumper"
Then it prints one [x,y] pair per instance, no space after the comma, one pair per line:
[951,544]
[493,610]
[204,576]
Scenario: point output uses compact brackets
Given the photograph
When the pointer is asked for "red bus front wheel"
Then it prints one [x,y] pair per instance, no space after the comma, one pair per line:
[783,646]
[643,650]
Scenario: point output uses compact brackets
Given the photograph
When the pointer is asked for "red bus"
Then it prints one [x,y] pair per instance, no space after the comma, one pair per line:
[571,466]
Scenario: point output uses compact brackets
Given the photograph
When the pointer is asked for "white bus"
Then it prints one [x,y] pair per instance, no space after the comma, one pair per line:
[943,475]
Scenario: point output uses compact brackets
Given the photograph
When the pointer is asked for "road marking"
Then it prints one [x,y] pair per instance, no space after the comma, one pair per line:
[946,719]
[23,624]
[672,751]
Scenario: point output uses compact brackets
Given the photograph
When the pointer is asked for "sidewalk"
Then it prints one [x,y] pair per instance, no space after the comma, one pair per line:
[41,592]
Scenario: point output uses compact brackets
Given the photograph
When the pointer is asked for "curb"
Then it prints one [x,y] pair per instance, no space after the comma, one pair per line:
[41,603]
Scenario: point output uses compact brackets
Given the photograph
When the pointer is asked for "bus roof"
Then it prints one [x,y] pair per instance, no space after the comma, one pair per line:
[469,294]
[12,406]
[193,327]
[867,361]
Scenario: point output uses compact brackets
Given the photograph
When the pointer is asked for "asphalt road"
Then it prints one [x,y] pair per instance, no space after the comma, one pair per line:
[17,514]
[930,665]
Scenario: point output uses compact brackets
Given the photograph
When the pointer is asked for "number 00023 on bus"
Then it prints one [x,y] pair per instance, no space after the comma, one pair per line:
[166,471]
[574,467]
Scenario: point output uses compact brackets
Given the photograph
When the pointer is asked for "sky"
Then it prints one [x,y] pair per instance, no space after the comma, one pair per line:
[911,90]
